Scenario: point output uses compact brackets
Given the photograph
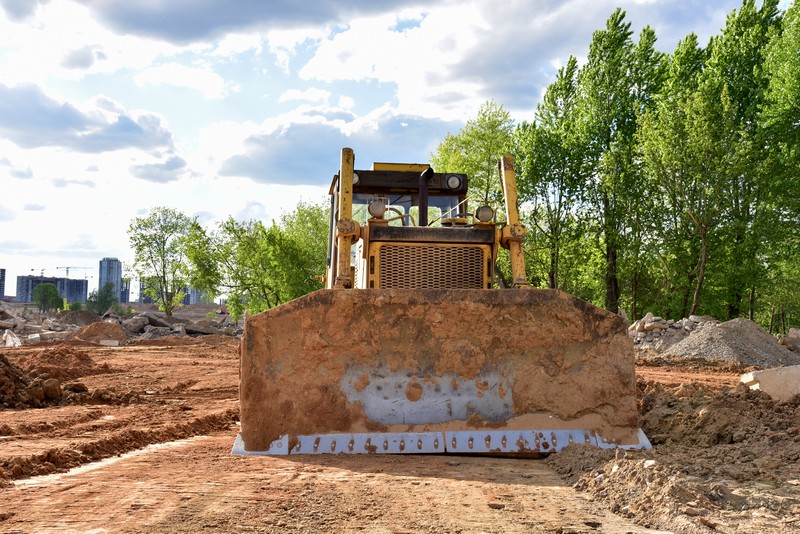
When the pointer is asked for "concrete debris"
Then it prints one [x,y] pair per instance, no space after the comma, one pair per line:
[781,383]
[22,326]
[10,339]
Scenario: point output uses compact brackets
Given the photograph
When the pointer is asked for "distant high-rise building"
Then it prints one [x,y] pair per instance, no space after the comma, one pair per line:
[111,273]
[74,290]
[125,295]
[2,283]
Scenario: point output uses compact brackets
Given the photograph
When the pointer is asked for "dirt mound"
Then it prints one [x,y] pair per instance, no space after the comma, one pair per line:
[103,330]
[738,340]
[718,457]
[78,317]
[13,382]
[61,361]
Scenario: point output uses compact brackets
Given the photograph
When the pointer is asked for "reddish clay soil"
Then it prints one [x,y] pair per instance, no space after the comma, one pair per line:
[146,448]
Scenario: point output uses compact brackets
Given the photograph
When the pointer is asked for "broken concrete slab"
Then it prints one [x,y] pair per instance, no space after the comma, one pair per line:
[10,339]
[780,383]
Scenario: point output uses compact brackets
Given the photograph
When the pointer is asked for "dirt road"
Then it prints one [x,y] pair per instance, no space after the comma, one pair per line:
[172,407]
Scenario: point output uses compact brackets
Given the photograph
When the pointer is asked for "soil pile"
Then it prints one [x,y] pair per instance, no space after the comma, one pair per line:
[100,331]
[60,361]
[13,382]
[738,340]
[718,458]
[77,317]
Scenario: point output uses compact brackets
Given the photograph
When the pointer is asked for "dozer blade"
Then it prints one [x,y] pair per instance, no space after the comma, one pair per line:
[517,372]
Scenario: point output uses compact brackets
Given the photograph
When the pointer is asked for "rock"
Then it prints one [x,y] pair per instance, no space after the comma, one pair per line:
[155,320]
[10,339]
[154,332]
[135,324]
[53,335]
[35,392]
[7,323]
[33,339]
[109,342]
[179,329]
[780,383]
[200,329]
[52,389]
[76,387]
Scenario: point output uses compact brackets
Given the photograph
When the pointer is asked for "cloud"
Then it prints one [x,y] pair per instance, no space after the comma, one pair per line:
[81,242]
[294,153]
[31,119]
[170,170]
[63,182]
[252,211]
[209,83]
[15,172]
[82,58]
[10,245]
[204,217]
[6,214]
[19,10]
[311,94]
[33,207]
[183,21]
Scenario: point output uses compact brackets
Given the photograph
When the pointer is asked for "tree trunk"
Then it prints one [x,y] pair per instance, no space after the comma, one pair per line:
[701,271]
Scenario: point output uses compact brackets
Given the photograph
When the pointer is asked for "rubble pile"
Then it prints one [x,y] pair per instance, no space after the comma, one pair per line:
[653,333]
[29,328]
[695,337]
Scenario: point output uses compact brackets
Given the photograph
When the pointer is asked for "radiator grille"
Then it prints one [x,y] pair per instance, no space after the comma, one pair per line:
[431,267]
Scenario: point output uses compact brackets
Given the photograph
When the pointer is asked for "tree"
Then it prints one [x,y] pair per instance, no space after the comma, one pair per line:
[46,297]
[475,151]
[100,300]
[548,158]
[736,81]
[679,140]
[261,267]
[159,242]
[616,85]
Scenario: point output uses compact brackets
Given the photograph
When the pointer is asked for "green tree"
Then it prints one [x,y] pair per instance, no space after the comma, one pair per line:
[735,79]
[46,297]
[548,156]
[261,267]
[159,242]
[680,144]
[616,85]
[100,300]
[475,151]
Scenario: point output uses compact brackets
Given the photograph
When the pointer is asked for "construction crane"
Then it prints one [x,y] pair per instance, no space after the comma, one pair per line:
[72,267]
[41,273]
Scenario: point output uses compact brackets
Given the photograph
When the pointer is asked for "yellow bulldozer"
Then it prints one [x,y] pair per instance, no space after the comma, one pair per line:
[411,349]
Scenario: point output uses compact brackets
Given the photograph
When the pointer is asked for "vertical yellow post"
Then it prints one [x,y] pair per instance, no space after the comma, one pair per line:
[514,232]
[345,226]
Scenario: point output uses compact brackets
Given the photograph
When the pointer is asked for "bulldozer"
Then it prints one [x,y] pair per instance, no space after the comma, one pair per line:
[413,348]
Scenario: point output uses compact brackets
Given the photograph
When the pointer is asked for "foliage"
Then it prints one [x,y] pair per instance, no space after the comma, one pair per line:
[102,299]
[260,267]
[46,297]
[664,182]
[75,306]
[475,151]
[159,242]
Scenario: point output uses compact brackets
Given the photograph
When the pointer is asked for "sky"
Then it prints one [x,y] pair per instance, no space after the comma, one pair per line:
[219,108]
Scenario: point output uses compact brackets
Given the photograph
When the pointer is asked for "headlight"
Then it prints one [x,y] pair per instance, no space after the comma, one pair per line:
[377,207]
[453,181]
[484,213]
[355,179]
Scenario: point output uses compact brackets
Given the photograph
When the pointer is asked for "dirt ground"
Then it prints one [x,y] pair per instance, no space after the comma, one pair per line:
[140,441]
